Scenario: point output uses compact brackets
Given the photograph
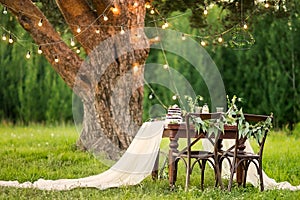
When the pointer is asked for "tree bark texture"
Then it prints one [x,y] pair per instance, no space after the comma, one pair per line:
[110,81]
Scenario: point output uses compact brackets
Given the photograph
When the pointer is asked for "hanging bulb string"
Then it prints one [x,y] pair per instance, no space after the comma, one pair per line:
[166,61]
[156,96]
[161,19]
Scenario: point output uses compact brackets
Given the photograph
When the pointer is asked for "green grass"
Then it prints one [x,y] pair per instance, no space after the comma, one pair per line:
[30,153]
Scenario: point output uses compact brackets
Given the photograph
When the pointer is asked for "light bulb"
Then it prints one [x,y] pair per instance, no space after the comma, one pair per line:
[78,29]
[135,4]
[122,30]
[72,42]
[150,96]
[245,26]
[205,12]
[220,39]
[115,10]
[267,5]
[148,5]
[3,36]
[40,23]
[203,43]
[4,11]
[40,50]
[174,97]
[152,11]
[183,37]
[156,38]
[135,67]
[166,24]
[28,54]
[56,59]
[78,50]
[166,66]
[10,40]
[163,26]
[97,31]
[105,18]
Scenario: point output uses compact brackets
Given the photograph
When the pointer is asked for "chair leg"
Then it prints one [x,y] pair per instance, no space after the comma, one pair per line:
[188,172]
[261,176]
[202,174]
[246,165]
[175,170]
[232,170]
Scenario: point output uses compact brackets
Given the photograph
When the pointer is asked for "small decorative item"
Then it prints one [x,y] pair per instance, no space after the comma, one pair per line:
[205,108]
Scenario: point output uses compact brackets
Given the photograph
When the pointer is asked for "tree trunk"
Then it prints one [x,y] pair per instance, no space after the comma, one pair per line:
[110,81]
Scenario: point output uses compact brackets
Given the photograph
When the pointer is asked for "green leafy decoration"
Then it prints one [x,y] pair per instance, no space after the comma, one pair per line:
[234,116]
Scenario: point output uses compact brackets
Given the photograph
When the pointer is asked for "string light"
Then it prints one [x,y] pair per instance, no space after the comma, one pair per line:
[40,23]
[220,39]
[115,10]
[4,11]
[28,54]
[72,42]
[10,40]
[174,97]
[205,12]
[135,4]
[150,96]
[165,25]
[56,59]
[245,26]
[40,50]
[3,36]
[166,66]
[267,5]
[135,67]
[148,5]
[105,18]
[77,49]
[203,43]
[122,30]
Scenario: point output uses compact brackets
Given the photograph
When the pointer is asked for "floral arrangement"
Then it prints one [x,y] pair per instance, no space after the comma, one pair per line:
[194,104]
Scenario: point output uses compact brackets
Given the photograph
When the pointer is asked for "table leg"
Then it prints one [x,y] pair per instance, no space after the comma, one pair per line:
[155,168]
[172,152]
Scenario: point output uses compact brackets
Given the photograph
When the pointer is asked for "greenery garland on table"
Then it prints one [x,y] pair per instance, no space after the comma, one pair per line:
[234,116]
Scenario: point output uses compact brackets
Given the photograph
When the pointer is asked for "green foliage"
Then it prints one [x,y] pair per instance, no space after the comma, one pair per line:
[234,116]
[35,152]
[31,90]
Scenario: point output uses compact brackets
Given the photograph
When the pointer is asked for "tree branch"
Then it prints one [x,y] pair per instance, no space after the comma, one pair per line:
[78,13]
[45,36]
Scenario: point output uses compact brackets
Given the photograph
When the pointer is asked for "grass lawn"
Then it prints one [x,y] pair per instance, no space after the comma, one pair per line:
[33,152]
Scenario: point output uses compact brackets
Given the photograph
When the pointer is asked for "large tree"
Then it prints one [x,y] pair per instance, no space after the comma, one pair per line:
[110,82]
[109,123]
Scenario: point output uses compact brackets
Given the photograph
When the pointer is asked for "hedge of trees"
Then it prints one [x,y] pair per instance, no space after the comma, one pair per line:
[30,89]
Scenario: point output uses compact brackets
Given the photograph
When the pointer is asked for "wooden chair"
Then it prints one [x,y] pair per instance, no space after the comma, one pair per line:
[241,159]
[191,157]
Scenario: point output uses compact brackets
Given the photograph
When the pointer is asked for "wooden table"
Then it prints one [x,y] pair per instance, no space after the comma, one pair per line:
[176,131]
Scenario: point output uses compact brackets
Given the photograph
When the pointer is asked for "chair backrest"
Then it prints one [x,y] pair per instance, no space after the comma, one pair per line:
[251,118]
[190,127]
